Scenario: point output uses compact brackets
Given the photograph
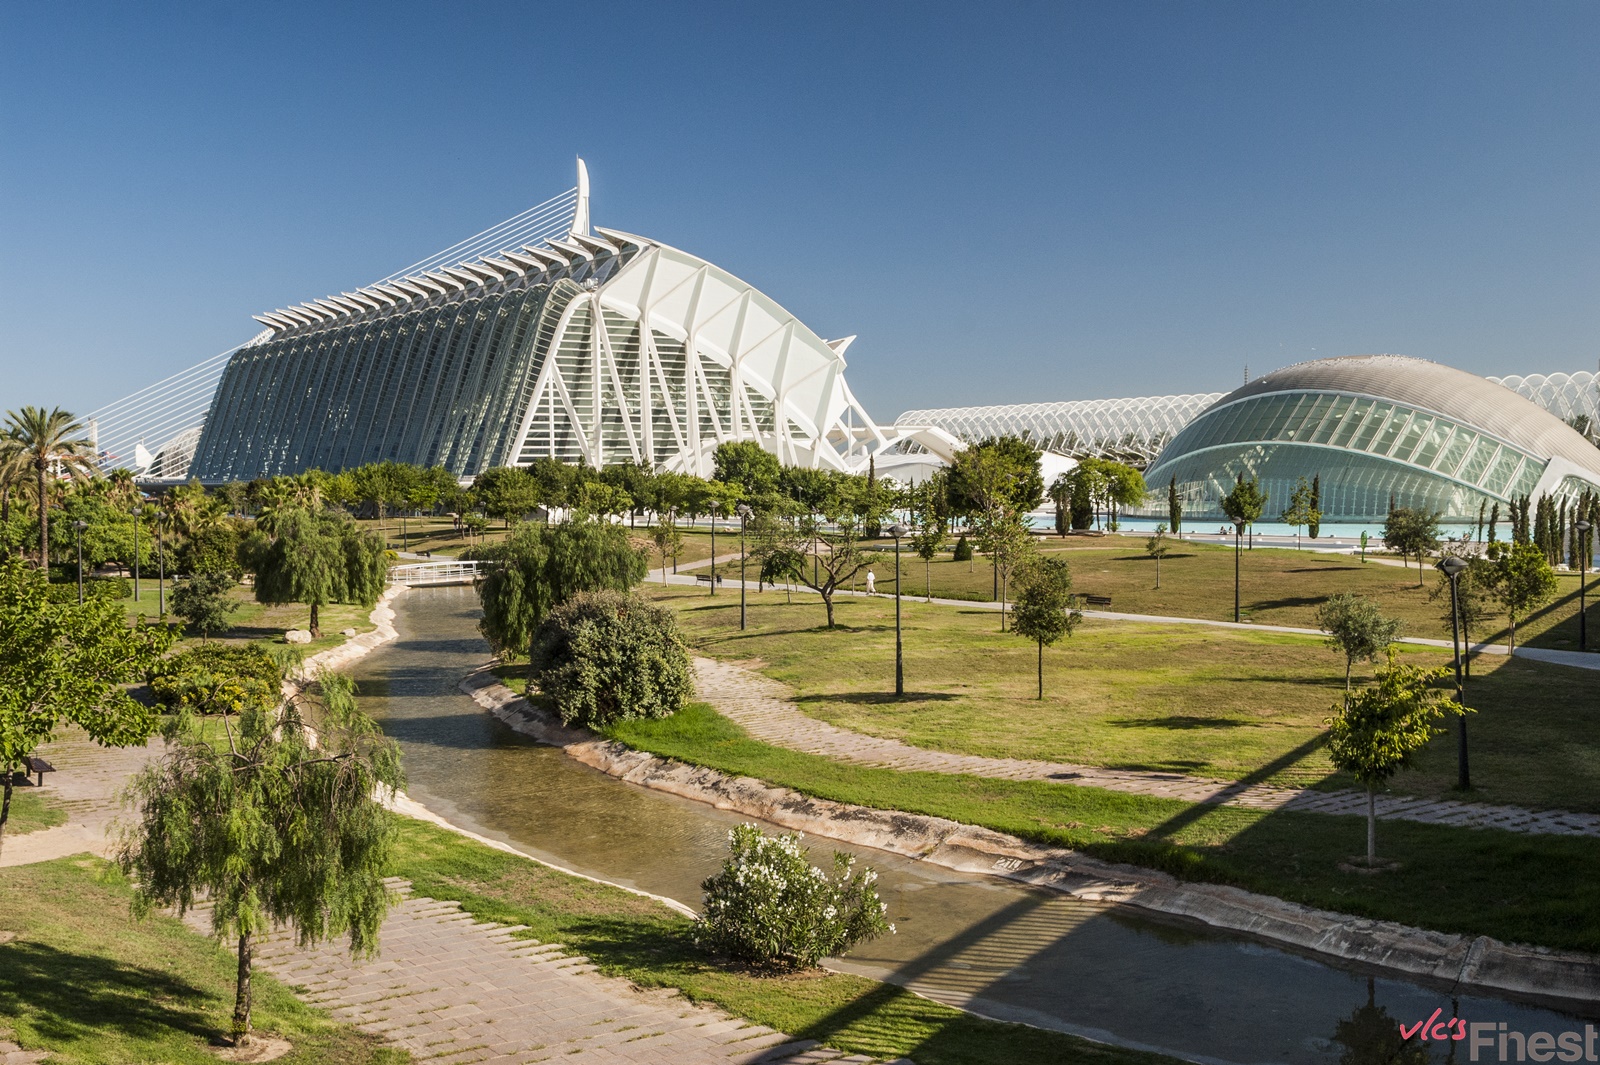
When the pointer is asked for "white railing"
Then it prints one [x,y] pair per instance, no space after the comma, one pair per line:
[451,572]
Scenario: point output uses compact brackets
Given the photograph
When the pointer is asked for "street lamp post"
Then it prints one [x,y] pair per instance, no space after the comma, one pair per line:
[161,568]
[713,549]
[898,530]
[672,519]
[79,526]
[136,512]
[1452,567]
[1582,529]
[744,515]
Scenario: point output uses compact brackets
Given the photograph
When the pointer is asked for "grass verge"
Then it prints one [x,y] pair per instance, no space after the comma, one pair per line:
[82,979]
[1542,890]
[32,810]
[634,937]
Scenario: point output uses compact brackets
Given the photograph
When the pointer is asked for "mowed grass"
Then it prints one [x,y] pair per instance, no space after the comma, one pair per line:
[638,938]
[1531,889]
[31,810]
[1222,703]
[80,978]
[1277,586]
[261,623]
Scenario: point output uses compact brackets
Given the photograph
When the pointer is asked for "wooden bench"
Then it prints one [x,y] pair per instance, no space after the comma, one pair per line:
[705,578]
[34,764]
[1098,600]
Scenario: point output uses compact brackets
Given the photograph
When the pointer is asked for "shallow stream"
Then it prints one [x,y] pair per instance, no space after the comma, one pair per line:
[1003,950]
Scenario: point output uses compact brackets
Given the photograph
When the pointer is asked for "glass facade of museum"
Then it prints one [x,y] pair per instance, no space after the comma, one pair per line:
[1376,430]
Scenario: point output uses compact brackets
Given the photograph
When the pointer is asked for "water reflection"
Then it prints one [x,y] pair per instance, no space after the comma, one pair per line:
[1006,951]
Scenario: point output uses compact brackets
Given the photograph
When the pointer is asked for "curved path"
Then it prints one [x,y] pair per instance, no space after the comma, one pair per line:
[767,711]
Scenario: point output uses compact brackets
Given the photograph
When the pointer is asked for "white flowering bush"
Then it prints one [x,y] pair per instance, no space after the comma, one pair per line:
[770,907]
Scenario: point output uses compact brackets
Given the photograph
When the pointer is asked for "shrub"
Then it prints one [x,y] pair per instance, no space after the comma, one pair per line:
[770,907]
[204,679]
[202,601]
[604,656]
[963,551]
[93,588]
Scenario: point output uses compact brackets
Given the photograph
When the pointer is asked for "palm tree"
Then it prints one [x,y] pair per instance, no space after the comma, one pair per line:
[13,471]
[50,442]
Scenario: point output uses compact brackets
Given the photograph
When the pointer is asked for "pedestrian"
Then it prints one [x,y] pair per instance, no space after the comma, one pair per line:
[872,583]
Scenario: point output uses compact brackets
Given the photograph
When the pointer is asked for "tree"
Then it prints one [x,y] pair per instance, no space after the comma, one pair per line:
[211,551]
[1044,611]
[827,534]
[1175,507]
[1125,487]
[316,558]
[272,817]
[1060,494]
[1157,547]
[1357,629]
[506,492]
[1374,733]
[202,601]
[747,464]
[1301,510]
[996,483]
[1315,524]
[50,444]
[1243,506]
[1522,581]
[542,566]
[930,523]
[668,539]
[1412,532]
[66,663]
[604,657]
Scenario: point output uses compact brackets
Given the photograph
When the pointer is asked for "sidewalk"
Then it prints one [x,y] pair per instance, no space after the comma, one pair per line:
[767,711]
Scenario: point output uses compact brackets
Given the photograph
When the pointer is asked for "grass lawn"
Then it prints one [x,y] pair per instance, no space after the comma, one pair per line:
[80,978]
[639,939]
[1278,586]
[1532,889]
[257,622]
[1221,703]
[31,810]
[438,536]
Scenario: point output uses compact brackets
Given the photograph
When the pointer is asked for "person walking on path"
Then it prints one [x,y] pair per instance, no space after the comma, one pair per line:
[872,583]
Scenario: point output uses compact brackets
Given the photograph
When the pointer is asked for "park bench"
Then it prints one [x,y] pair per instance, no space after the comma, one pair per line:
[1098,600]
[33,764]
[705,578]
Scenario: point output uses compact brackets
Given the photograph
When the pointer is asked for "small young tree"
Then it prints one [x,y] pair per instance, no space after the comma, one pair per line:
[1314,526]
[604,656]
[1157,548]
[1243,506]
[66,663]
[272,818]
[203,602]
[668,539]
[770,907]
[1175,508]
[930,523]
[1301,510]
[1375,732]
[1357,629]
[1522,581]
[1044,611]
[1412,532]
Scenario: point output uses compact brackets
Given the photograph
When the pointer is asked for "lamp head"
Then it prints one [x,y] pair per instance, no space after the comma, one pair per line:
[1582,526]
[898,529]
[743,510]
[1451,566]
[80,525]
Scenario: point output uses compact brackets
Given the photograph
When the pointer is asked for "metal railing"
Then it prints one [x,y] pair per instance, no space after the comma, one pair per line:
[425,573]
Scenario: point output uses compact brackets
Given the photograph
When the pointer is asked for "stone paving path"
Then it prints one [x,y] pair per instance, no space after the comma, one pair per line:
[767,711]
[87,785]
[454,990]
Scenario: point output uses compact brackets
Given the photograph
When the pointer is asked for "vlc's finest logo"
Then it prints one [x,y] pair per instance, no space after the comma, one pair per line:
[1506,1045]
[1436,1030]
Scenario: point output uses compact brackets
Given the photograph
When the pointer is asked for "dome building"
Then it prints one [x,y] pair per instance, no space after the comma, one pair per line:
[1376,428]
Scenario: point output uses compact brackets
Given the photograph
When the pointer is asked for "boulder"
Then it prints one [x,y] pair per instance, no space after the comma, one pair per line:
[347,632]
[297,636]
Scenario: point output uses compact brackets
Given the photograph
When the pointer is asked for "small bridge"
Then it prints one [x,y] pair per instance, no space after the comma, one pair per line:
[429,574]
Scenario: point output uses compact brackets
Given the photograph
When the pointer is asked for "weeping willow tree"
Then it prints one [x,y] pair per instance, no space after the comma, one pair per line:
[316,558]
[268,811]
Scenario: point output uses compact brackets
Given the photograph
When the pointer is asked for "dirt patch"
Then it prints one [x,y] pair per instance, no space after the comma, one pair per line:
[260,1048]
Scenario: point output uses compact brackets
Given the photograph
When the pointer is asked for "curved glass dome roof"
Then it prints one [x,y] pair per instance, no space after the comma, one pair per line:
[1376,427]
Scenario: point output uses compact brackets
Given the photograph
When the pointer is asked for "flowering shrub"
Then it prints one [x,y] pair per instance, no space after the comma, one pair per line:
[771,907]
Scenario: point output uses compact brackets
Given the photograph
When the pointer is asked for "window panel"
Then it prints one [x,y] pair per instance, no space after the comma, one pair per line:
[1455,451]
[1432,441]
[1399,418]
[1420,424]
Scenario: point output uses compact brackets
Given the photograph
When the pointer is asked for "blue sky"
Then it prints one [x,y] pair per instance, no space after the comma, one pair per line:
[1006,201]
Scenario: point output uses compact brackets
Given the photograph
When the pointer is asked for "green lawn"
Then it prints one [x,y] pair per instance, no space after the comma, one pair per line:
[80,978]
[31,810]
[1213,702]
[1278,586]
[257,622]
[1532,889]
[637,938]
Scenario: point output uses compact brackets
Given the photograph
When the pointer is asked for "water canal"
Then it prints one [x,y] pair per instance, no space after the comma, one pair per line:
[1003,950]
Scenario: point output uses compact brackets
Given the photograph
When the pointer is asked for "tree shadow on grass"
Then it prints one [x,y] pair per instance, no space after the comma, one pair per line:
[1180,721]
[1289,601]
[71,996]
[879,698]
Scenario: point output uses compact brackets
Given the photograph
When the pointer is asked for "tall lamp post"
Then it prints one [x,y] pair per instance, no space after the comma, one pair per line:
[136,512]
[79,526]
[161,567]
[713,547]
[1582,529]
[1452,567]
[744,513]
[897,530]
[672,519]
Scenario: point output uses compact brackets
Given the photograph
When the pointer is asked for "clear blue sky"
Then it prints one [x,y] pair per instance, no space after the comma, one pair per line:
[1006,201]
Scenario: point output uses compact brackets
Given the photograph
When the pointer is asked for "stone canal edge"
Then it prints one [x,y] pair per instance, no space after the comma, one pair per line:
[1458,960]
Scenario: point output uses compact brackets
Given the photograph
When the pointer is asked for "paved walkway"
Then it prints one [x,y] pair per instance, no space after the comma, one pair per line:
[453,990]
[767,711]
[87,785]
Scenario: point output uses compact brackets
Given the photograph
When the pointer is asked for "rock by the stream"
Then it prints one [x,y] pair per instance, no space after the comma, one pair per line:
[347,632]
[297,636]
